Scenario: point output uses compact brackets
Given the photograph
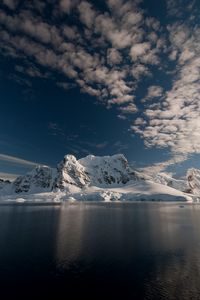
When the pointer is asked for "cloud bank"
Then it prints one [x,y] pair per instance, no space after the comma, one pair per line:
[16,160]
[107,51]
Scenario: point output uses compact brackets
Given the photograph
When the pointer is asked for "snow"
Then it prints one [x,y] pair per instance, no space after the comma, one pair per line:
[134,191]
[108,170]
[95,178]
[193,177]
[165,179]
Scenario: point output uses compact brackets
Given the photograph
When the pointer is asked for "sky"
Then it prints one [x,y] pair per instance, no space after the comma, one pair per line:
[100,77]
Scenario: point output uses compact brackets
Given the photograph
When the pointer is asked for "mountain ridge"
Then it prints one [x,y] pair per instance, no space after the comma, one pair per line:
[100,177]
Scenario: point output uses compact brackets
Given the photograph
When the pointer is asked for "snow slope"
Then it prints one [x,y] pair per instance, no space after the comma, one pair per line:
[193,179]
[134,191]
[93,178]
[40,179]
[177,184]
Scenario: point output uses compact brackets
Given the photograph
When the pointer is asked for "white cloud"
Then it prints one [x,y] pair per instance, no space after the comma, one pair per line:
[139,50]
[87,14]
[140,70]
[11,3]
[129,109]
[114,57]
[91,57]
[8,176]
[66,5]
[16,160]
[154,91]
[156,168]
[108,57]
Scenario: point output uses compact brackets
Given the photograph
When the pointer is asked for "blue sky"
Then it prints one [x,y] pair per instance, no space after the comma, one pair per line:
[99,77]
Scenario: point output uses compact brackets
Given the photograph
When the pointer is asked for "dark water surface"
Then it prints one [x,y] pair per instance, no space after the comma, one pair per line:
[127,251]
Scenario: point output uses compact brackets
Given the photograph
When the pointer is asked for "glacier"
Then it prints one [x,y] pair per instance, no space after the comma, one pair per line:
[98,178]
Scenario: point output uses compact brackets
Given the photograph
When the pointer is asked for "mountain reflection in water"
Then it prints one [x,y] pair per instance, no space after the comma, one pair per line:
[132,250]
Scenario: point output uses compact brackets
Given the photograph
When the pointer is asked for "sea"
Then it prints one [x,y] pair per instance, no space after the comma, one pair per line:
[138,250]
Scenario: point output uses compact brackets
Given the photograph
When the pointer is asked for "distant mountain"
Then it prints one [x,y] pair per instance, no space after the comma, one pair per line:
[165,179]
[105,171]
[40,179]
[193,179]
[4,184]
[94,171]
[106,178]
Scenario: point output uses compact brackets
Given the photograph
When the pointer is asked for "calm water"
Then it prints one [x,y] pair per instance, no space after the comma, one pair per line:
[136,251]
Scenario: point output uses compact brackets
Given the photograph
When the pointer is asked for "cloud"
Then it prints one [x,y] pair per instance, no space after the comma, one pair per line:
[140,70]
[139,50]
[156,168]
[87,13]
[129,109]
[16,160]
[65,6]
[56,129]
[178,8]
[102,145]
[108,57]
[114,57]
[11,3]
[8,176]
[91,57]
[174,122]
[153,91]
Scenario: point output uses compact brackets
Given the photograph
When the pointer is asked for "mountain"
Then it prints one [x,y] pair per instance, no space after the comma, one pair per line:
[4,184]
[72,174]
[193,179]
[40,179]
[106,178]
[94,171]
[165,179]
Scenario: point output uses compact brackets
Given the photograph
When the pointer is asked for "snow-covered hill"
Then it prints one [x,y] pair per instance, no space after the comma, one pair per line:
[4,184]
[106,178]
[40,179]
[165,179]
[193,179]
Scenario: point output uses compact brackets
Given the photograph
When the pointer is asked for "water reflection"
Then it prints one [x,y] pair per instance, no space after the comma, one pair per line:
[69,235]
[140,250]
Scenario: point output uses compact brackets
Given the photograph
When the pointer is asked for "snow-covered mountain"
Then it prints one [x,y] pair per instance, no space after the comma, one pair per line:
[73,174]
[105,171]
[107,178]
[40,179]
[4,184]
[70,173]
[193,179]
[165,179]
